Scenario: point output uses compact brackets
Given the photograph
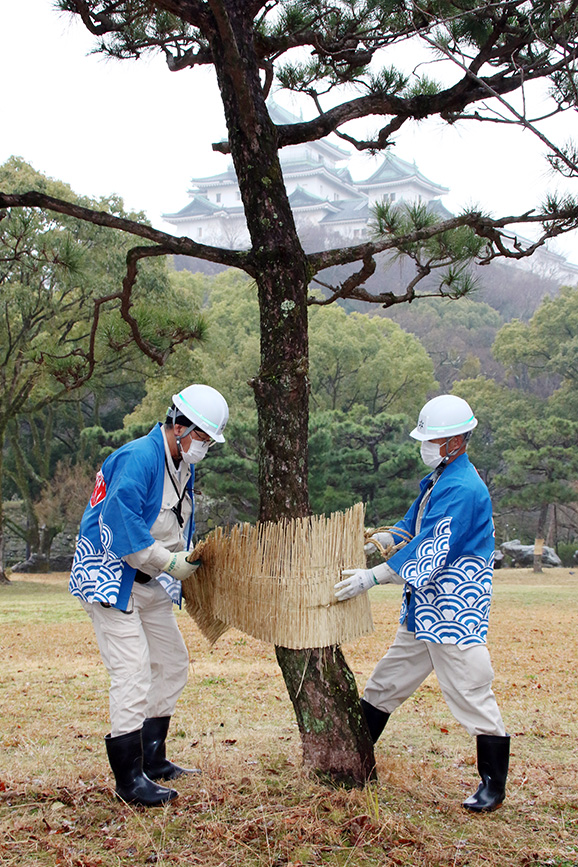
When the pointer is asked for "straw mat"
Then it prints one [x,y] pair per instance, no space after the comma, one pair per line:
[275,581]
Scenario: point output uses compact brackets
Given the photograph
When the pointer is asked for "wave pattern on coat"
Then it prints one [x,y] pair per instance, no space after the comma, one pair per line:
[452,600]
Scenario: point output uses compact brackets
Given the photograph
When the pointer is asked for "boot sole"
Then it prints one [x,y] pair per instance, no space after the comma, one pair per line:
[481,809]
[137,803]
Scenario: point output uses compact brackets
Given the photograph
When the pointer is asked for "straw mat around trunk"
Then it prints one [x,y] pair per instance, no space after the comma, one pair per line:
[275,581]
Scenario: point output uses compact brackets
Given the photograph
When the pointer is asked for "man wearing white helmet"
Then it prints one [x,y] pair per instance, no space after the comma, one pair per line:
[130,558]
[446,570]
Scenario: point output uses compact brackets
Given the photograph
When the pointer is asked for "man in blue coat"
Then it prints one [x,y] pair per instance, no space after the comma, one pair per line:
[446,569]
[130,558]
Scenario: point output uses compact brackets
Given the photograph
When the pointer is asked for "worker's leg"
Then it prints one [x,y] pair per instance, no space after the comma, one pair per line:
[124,651]
[465,677]
[168,655]
[398,674]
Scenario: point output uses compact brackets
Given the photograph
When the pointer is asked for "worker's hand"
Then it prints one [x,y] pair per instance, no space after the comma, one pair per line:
[179,567]
[384,539]
[355,581]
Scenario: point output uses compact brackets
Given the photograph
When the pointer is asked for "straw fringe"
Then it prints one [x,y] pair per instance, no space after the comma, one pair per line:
[275,581]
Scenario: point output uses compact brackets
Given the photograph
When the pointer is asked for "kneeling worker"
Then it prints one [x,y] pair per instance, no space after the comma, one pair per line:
[446,570]
[130,559]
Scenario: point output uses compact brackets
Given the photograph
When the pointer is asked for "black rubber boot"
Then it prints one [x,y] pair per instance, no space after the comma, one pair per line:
[493,761]
[155,763]
[125,754]
[376,719]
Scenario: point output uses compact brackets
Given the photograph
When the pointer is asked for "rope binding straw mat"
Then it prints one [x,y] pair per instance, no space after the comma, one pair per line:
[275,581]
[389,550]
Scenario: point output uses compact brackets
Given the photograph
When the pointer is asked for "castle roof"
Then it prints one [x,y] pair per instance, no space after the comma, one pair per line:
[393,169]
[302,199]
[201,207]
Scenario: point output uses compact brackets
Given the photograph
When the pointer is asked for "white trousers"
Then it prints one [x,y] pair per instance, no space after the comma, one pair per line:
[465,677]
[144,654]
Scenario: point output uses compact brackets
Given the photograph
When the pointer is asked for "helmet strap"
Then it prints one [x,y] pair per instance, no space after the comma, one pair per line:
[466,436]
[189,430]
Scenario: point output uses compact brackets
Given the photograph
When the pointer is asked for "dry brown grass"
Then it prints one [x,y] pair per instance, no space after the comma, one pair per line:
[252,804]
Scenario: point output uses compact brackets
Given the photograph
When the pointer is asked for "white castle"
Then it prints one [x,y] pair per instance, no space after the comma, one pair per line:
[326,201]
[322,193]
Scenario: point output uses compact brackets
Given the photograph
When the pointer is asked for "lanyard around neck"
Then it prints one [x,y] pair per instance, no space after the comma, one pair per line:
[178,508]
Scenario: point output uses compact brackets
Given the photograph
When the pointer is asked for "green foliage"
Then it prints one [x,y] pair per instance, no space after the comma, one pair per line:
[547,341]
[357,457]
[546,349]
[566,551]
[230,473]
[542,464]
[472,316]
[365,360]
[496,407]
[342,52]
[52,274]
[361,367]
[369,379]
[423,86]
[525,444]
[69,359]
[387,81]
[354,359]
[451,253]
[457,335]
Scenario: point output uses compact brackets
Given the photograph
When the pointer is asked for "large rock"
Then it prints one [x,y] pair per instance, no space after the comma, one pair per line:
[523,555]
[35,563]
[38,563]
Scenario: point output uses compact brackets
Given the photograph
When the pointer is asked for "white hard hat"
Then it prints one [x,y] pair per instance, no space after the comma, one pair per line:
[444,416]
[205,407]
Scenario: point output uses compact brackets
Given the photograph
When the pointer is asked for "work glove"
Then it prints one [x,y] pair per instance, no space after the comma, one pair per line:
[179,567]
[384,539]
[355,581]
[358,581]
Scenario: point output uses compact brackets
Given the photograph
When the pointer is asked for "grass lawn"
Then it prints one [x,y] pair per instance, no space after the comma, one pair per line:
[252,803]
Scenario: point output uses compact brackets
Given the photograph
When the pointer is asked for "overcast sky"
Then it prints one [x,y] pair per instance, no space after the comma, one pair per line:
[142,132]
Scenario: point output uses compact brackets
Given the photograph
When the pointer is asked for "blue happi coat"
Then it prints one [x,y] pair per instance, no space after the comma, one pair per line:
[449,564]
[124,505]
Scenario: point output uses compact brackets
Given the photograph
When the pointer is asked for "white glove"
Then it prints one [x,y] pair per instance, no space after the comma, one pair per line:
[384,539]
[179,567]
[355,581]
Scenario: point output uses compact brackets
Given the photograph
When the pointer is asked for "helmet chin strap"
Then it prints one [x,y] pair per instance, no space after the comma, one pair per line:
[466,437]
[189,430]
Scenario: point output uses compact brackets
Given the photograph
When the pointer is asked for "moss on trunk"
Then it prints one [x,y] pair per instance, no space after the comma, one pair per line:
[336,741]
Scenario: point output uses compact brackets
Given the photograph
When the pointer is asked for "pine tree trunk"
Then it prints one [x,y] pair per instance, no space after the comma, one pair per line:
[539,540]
[3,576]
[336,742]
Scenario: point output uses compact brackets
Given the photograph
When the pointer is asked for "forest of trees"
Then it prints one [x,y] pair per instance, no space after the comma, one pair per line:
[370,373]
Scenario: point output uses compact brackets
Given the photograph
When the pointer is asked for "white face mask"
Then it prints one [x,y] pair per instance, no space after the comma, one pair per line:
[195,452]
[430,454]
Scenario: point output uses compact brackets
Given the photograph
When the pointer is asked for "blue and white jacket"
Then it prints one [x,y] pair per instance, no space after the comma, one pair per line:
[124,505]
[448,565]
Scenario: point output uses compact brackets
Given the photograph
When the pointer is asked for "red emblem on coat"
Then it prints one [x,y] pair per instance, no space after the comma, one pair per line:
[99,492]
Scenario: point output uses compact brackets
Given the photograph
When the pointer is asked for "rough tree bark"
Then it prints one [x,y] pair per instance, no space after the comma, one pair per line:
[322,688]
[323,691]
